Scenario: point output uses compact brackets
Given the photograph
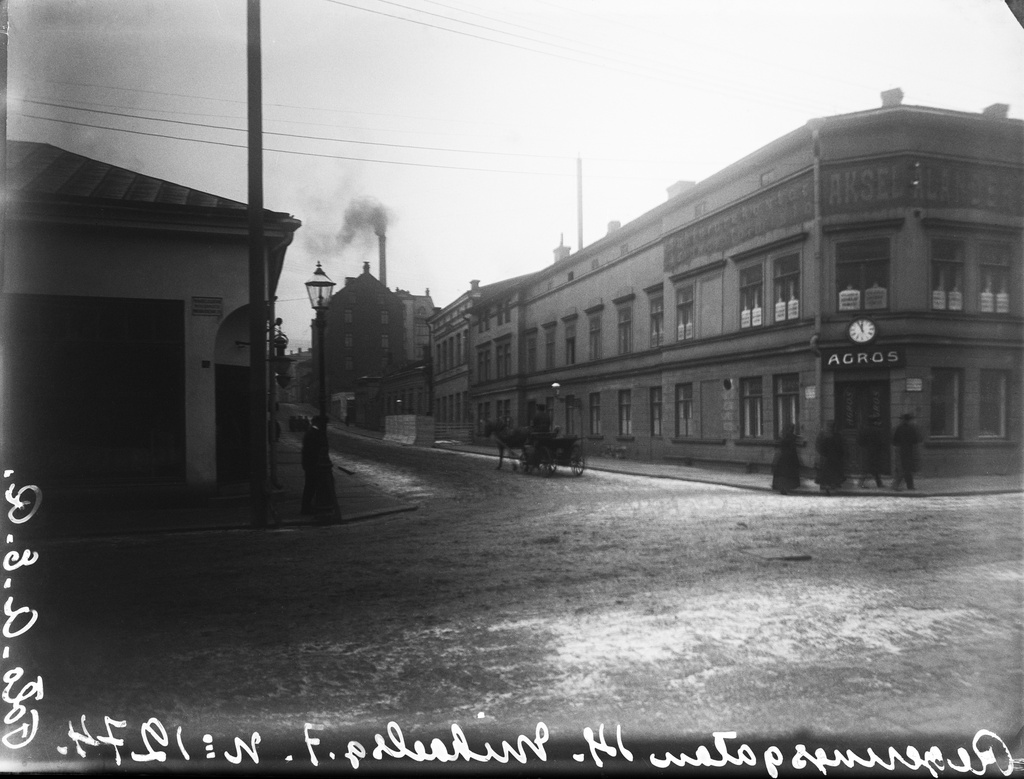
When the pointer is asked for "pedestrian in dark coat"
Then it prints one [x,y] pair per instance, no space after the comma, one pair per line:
[873,440]
[905,438]
[831,458]
[314,451]
[786,468]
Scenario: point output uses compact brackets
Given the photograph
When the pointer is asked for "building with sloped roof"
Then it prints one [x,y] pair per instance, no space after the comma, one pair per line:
[861,268]
[125,313]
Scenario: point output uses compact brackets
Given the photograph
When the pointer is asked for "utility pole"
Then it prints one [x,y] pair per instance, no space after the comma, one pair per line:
[258,332]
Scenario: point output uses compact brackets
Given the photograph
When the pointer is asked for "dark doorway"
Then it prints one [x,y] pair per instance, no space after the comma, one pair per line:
[232,423]
[856,402]
[95,389]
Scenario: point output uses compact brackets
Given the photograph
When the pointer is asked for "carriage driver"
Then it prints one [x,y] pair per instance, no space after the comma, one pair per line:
[541,422]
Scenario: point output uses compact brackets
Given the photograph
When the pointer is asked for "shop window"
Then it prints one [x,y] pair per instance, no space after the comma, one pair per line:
[625,412]
[787,402]
[595,337]
[750,408]
[993,413]
[549,347]
[684,410]
[570,343]
[595,413]
[947,275]
[656,411]
[946,403]
[684,313]
[657,321]
[994,287]
[862,274]
[787,288]
[625,329]
[751,296]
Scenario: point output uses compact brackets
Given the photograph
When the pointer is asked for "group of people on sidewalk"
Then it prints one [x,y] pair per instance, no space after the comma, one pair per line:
[831,455]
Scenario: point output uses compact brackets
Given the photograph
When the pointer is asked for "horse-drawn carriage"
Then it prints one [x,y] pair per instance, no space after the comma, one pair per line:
[543,452]
[540,452]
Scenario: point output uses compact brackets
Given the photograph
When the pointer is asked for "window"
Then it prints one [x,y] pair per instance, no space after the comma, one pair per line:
[549,347]
[625,329]
[595,337]
[994,286]
[348,340]
[348,363]
[484,322]
[684,410]
[570,343]
[657,321]
[531,352]
[384,316]
[787,402]
[750,408]
[862,274]
[994,404]
[947,275]
[751,292]
[503,359]
[945,418]
[625,412]
[684,313]
[595,413]
[787,288]
[570,415]
[483,364]
[459,356]
[348,316]
[656,411]
[384,342]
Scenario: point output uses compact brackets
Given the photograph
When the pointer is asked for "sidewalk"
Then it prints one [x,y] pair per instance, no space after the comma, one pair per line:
[357,501]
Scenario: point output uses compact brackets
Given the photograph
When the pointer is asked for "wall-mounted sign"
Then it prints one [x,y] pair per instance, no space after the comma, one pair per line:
[867,357]
[207,306]
[810,392]
[915,385]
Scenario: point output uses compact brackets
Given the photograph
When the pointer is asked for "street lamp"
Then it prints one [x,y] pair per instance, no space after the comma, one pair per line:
[319,290]
[326,499]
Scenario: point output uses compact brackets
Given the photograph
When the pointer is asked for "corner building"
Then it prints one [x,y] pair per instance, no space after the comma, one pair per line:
[864,264]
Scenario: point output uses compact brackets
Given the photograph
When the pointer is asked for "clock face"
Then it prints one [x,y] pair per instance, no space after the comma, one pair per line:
[862,331]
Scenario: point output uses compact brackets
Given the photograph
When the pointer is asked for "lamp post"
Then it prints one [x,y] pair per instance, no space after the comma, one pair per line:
[319,289]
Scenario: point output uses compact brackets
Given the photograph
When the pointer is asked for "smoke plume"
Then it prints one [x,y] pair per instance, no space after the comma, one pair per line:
[362,216]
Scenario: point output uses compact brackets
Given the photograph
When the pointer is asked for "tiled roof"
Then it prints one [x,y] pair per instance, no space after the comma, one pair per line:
[42,169]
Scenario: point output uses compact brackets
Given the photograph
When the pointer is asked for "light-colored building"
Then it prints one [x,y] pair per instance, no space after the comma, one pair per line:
[126,340]
[863,264]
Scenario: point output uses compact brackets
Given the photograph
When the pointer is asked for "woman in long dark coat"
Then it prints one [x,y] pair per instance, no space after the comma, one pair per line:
[786,468]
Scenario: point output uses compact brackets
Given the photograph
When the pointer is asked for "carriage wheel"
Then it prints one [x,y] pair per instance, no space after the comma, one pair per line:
[546,461]
[577,461]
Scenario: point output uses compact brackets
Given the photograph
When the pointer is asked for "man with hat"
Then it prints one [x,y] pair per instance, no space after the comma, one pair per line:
[905,438]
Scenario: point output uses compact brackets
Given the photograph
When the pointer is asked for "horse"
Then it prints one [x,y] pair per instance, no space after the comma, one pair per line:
[507,437]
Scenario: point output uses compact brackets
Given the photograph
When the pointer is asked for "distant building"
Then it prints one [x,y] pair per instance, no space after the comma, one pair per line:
[126,327]
[868,264]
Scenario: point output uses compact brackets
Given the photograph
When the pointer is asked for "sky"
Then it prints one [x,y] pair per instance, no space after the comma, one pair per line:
[461,122]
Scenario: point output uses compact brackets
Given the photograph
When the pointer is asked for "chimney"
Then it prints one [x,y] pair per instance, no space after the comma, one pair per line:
[366,268]
[679,188]
[614,225]
[474,285]
[892,98]
[383,259]
[997,111]
[562,251]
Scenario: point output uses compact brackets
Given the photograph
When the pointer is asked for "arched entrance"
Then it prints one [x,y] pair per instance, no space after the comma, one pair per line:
[232,397]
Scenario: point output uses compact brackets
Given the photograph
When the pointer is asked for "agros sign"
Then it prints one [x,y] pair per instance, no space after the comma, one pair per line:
[865,357]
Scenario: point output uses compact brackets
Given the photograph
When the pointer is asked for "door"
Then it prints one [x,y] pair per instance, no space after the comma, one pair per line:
[856,403]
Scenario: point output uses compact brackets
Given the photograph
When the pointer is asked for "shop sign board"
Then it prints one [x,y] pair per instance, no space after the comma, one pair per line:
[863,357]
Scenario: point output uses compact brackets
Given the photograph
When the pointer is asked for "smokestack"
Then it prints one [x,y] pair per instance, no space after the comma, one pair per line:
[381,239]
